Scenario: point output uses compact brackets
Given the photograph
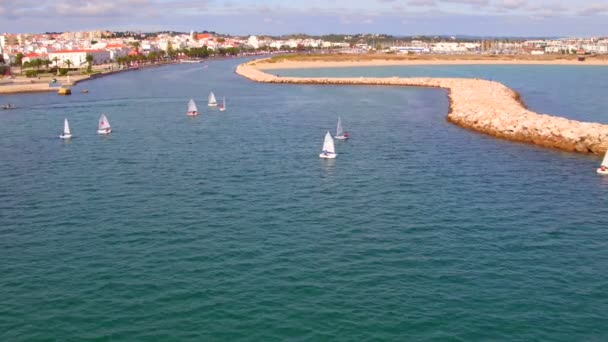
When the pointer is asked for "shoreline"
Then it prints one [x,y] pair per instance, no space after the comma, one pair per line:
[483,106]
[311,64]
[42,85]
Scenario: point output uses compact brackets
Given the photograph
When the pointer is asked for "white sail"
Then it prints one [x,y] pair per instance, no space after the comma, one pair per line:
[328,144]
[66,127]
[192,106]
[103,122]
[339,129]
[605,160]
[212,100]
[224,102]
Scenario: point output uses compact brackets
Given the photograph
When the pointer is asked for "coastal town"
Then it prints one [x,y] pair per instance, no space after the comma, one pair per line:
[81,49]
[237,170]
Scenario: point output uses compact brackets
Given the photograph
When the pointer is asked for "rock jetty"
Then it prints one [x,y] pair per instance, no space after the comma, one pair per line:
[484,106]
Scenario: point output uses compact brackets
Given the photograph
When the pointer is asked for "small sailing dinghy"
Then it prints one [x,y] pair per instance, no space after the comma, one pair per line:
[340,134]
[192,110]
[104,125]
[222,107]
[329,151]
[66,130]
[603,169]
[212,101]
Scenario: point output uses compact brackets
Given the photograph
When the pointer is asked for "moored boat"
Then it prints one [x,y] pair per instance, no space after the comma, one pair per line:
[222,106]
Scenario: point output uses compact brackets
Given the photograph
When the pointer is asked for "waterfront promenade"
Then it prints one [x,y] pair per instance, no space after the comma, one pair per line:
[22,84]
[484,106]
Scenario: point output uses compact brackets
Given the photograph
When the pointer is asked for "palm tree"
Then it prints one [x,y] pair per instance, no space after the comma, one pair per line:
[89,62]
[120,61]
[68,62]
[136,45]
[56,59]
[19,62]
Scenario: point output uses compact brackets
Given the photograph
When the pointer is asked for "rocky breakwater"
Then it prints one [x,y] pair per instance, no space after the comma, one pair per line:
[480,105]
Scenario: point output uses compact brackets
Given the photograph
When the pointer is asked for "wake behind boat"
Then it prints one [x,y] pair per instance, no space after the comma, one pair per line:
[104,125]
[329,151]
[603,169]
[340,134]
[192,109]
[212,101]
[67,134]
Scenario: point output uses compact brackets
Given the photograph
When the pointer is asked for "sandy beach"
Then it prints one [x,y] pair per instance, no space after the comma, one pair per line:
[484,106]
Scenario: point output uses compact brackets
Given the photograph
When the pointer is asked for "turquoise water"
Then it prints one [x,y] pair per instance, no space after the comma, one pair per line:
[228,226]
[572,91]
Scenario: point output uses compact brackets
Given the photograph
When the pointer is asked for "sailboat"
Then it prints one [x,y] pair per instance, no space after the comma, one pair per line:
[222,107]
[340,134]
[329,151]
[66,130]
[192,110]
[104,125]
[212,100]
[603,169]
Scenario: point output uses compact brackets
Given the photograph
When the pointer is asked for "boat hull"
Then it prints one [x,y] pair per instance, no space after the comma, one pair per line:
[222,109]
[327,156]
[341,137]
[602,172]
[212,104]
[104,131]
[192,113]
[65,136]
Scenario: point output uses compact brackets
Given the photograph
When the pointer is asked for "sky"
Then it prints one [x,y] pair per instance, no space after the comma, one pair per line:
[513,18]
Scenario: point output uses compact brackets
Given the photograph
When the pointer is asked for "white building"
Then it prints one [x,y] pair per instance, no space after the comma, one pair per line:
[78,58]
[253,42]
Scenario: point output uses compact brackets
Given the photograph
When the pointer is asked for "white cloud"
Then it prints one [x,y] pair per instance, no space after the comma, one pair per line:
[468,2]
[594,9]
[422,3]
[86,8]
[512,4]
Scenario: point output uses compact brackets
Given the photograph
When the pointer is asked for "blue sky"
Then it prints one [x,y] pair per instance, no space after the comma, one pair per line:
[399,17]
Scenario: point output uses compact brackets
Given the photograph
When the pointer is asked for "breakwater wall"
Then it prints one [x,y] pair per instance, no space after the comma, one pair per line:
[484,106]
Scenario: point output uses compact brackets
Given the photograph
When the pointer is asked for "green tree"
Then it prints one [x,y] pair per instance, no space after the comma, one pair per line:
[120,61]
[36,63]
[19,62]
[55,60]
[170,51]
[68,62]
[136,45]
[89,59]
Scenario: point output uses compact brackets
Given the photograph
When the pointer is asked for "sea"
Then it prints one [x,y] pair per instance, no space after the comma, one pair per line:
[229,227]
